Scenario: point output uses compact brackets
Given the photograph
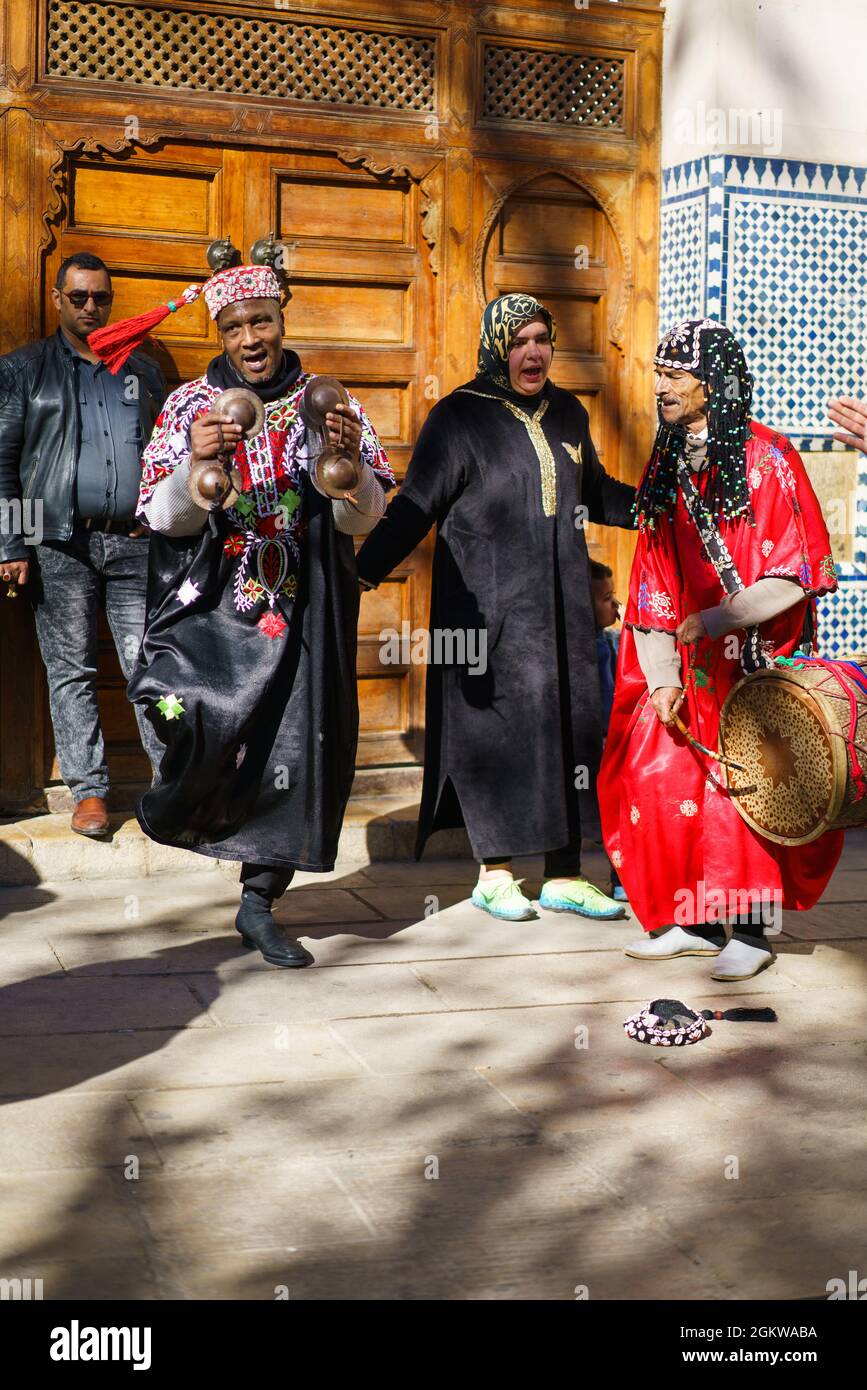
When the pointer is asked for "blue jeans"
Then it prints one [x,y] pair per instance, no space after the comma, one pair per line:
[73,579]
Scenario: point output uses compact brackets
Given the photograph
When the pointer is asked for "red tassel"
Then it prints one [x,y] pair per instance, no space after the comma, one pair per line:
[114,343]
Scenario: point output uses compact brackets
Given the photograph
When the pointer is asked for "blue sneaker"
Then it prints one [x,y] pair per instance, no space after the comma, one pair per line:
[579,896]
[502,897]
[619,894]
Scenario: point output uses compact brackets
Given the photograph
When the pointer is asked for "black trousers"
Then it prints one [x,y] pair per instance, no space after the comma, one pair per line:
[748,927]
[559,863]
[267,880]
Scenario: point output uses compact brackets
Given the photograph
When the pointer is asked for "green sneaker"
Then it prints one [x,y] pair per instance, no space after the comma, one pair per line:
[579,896]
[502,897]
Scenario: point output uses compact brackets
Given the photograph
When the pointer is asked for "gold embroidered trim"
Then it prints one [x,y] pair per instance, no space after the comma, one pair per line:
[532,424]
[574,454]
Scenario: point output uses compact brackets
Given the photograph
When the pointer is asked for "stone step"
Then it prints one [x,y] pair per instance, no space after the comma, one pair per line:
[369,781]
[42,848]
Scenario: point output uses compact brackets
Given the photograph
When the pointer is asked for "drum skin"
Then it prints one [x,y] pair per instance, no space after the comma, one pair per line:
[789,727]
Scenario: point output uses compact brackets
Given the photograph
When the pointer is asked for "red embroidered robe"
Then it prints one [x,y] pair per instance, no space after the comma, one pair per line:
[675,839]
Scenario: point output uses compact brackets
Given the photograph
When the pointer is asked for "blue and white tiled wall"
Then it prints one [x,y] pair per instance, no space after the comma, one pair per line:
[777,250]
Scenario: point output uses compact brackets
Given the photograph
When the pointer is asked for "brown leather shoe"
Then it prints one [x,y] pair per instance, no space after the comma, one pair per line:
[90,817]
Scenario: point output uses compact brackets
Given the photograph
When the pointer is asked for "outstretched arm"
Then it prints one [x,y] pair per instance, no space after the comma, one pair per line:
[433,480]
[608,501]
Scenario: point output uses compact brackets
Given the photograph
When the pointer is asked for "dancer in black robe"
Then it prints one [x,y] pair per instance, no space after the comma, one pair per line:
[506,468]
[247,666]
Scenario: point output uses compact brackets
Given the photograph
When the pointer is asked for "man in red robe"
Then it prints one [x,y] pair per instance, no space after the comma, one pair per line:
[732,553]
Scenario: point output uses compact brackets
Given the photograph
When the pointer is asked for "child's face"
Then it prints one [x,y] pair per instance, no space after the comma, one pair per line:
[605,606]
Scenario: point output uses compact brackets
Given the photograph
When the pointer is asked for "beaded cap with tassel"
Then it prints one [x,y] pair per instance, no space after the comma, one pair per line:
[713,354]
[231,283]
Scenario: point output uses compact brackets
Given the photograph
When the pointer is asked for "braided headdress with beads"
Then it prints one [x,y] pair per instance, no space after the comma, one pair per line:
[713,354]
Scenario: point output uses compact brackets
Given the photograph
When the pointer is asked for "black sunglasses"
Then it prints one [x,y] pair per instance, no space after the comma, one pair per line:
[79,298]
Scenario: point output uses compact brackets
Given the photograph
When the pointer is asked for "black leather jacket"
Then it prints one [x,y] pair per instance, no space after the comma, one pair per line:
[39,433]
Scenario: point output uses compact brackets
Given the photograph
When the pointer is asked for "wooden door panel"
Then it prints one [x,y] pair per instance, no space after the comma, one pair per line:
[143,201]
[369,312]
[314,208]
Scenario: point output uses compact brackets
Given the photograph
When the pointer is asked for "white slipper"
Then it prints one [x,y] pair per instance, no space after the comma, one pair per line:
[673,942]
[740,962]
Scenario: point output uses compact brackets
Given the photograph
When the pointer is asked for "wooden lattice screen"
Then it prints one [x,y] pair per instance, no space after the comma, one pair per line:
[235,55]
[555,88]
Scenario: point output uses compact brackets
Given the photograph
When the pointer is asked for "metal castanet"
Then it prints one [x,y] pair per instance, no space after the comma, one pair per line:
[337,472]
[800,733]
[212,483]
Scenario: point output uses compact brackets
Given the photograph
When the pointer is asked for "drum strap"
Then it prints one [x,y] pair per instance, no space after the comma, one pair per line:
[753,657]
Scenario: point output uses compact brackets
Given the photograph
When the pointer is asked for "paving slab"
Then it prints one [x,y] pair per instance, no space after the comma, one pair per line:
[595,976]
[738,1159]
[446,1106]
[781,1247]
[589,1253]
[85,1210]
[602,1094]
[463,932]
[80,1131]
[171,1058]
[427,872]
[32,956]
[290,996]
[124,1279]
[226,1127]
[419,900]
[293,1203]
[847,886]
[474,1039]
[817,965]
[790,1081]
[81,1003]
[284,1275]
[830,922]
[328,905]
[138,950]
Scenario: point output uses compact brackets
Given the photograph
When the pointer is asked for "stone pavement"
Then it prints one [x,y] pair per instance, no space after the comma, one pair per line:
[444,1107]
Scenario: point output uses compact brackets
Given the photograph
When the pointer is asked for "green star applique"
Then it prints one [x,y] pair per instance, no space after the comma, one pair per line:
[289,501]
[170,706]
[243,505]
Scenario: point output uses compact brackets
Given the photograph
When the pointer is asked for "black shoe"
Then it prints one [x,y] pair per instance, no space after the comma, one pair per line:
[259,931]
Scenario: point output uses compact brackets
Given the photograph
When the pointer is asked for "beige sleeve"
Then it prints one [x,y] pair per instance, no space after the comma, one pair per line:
[758,603]
[658,658]
[171,510]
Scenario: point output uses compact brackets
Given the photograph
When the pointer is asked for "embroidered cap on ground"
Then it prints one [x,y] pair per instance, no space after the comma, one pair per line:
[670,1023]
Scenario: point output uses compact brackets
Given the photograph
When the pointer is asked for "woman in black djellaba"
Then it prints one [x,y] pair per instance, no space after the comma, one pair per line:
[506,469]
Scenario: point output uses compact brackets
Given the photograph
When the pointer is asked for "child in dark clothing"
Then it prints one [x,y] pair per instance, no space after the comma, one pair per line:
[607,612]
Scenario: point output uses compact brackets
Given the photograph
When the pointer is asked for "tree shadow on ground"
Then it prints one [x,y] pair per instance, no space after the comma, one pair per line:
[467,1153]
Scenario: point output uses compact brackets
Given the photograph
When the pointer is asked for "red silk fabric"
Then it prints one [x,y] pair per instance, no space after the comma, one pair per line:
[682,851]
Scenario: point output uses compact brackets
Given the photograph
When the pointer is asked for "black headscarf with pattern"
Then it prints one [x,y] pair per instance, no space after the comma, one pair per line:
[502,319]
[713,354]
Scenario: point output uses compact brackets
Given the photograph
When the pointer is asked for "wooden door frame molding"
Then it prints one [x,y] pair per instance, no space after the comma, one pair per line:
[426,174]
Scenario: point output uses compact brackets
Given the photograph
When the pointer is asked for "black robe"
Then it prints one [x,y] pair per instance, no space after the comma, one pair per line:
[505,749]
[260,766]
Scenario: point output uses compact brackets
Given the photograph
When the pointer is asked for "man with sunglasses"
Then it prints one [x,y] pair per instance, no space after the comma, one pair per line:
[71,440]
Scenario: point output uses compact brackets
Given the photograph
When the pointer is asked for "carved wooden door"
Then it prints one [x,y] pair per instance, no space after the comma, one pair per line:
[363,308]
